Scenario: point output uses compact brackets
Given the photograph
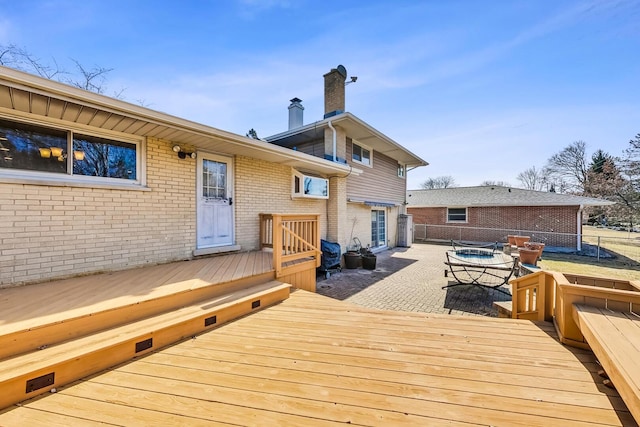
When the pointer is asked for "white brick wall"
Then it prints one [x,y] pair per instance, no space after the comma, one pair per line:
[55,231]
[263,187]
[359,218]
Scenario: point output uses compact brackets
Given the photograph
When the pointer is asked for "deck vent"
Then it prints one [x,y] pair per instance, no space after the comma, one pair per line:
[210,321]
[255,304]
[143,345]
[40,382]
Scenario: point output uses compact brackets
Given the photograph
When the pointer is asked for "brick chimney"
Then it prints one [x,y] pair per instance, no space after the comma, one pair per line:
[334,82]
[295,113]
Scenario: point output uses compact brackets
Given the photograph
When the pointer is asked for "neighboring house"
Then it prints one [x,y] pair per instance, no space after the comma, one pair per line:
[490,213]
[364,203]
[89,183]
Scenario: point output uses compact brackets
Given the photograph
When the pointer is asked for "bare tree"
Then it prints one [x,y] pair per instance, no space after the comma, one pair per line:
[533,179]
[91,79]
[570,166]
[438,182]
[496,183]
[629,195]
[16,57]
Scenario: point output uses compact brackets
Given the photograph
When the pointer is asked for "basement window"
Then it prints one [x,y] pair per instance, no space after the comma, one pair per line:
[456,214]
[309,186]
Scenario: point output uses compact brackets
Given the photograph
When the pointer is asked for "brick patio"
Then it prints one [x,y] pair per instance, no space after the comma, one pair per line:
[410,279]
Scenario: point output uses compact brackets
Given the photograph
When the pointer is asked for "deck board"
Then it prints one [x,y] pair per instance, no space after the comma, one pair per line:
[311,361]
[29,306]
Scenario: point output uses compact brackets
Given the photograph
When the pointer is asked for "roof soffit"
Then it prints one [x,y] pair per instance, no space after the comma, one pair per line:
[355,129]
[31,97]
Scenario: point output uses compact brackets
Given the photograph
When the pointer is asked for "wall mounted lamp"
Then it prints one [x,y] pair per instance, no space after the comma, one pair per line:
[183,154]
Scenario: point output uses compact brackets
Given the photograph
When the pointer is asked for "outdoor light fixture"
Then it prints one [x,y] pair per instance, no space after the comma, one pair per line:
[183,154]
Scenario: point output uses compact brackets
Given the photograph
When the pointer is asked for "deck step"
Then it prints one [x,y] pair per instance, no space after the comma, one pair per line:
[109,314]
[505,308]
[36,372]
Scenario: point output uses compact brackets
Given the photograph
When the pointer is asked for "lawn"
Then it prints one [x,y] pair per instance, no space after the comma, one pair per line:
[624,246]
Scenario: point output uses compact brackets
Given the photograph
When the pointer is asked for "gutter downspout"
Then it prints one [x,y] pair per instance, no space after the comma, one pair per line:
[579,224]
[335,143]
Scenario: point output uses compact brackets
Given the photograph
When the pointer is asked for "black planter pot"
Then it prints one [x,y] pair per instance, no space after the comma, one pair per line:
[369,262]
[351,260]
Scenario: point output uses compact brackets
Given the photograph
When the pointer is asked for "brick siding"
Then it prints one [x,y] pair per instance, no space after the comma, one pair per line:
[554,225]
[57,231]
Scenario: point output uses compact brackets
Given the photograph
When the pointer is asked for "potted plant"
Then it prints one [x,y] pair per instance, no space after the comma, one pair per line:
[368,259]
[528,256]
[537,246]
[351,259]
[521,240]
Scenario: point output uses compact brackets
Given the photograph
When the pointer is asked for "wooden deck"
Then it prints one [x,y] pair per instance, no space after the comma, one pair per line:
[31,306]
[311,361]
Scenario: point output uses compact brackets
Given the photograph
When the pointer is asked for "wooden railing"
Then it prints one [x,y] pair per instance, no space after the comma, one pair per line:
[294,238]
[549,295]
[532,295]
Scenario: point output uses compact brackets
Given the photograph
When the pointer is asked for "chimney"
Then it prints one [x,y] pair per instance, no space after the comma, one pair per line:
[295,113]
[334,82]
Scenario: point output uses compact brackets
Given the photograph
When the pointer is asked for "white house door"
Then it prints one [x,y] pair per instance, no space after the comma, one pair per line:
[215,201]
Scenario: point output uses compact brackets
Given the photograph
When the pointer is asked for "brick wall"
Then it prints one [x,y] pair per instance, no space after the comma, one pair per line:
[56,231]
[263,187]
[553,225]
[358,224]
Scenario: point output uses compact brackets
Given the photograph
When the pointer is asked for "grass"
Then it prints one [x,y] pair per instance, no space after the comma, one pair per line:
[624,246]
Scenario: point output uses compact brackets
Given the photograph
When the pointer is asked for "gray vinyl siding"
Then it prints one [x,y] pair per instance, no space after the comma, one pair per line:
[378,183]
[314,148]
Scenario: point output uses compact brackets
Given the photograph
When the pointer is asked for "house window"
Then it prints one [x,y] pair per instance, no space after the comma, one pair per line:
[360,154]
[310,186]
[401,170]
[57,152]
[32,148]
[378,228]
[102,157]
[214,179]
[456,214]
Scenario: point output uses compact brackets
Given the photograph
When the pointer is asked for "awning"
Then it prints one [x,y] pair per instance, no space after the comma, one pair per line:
[375,203]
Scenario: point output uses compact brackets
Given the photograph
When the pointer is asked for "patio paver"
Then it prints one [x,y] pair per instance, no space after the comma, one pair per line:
[410,279]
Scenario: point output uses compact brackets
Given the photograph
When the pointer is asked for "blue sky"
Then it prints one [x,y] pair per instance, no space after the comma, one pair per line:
[482,90]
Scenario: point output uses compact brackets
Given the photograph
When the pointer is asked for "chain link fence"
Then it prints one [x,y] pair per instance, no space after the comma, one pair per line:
[626,245]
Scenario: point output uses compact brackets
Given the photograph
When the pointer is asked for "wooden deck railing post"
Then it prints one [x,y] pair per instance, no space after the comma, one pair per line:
[277,243]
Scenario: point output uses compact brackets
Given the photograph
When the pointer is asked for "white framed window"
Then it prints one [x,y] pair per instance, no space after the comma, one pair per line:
[456,214]
[309,186]
[38,151]
[402,170]
[361,154]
